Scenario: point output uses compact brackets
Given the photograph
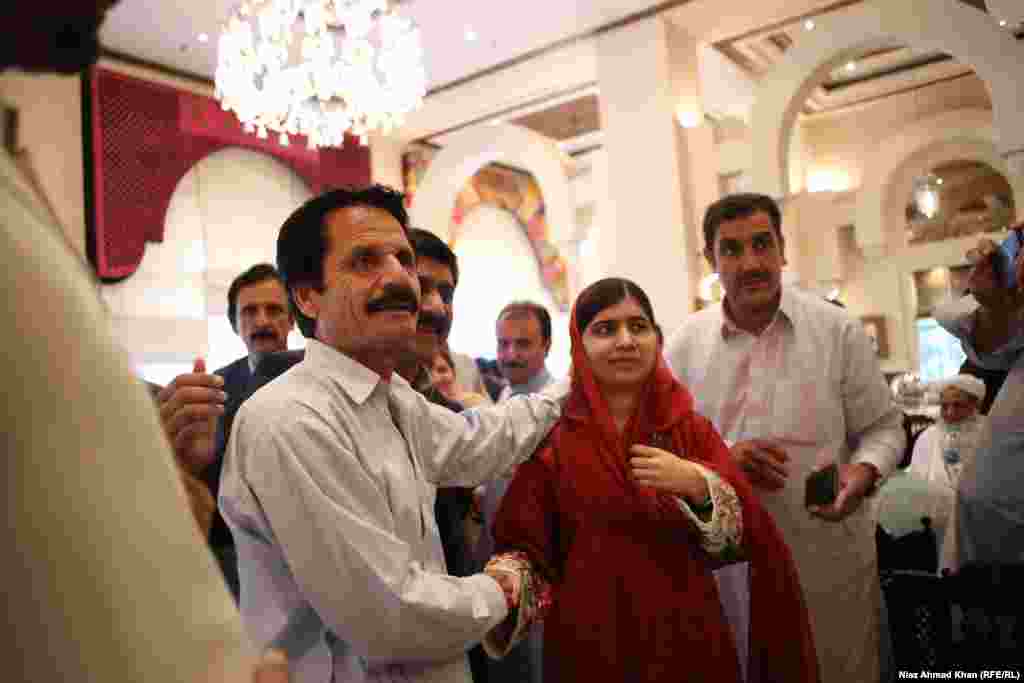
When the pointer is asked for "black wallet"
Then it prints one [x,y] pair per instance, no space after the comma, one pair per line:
[822,486]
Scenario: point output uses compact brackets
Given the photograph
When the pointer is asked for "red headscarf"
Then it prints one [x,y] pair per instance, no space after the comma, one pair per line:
[781,645]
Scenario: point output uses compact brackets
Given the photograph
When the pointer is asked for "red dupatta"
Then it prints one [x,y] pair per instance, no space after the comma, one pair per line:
[780,641]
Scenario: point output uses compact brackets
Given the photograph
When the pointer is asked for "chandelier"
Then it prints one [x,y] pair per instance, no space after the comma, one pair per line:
[319,68]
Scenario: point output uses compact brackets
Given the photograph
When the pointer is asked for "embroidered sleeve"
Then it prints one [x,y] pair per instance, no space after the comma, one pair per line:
[528,606]
[722,534]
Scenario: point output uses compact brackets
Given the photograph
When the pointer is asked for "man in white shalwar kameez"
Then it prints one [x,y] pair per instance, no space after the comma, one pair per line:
[792,383]
[332,468]
[939,462]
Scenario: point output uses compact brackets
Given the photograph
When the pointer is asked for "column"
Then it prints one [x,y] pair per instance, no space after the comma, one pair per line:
[649,216]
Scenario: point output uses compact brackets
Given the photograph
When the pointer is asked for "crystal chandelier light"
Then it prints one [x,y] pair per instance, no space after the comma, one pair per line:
[319,68]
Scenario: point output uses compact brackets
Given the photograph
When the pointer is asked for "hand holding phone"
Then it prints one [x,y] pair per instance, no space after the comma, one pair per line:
[822,487]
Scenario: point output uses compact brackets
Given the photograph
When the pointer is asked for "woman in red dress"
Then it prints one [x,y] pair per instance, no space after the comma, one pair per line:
[611,532]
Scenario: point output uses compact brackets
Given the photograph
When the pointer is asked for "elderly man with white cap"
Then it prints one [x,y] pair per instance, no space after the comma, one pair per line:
[943,451]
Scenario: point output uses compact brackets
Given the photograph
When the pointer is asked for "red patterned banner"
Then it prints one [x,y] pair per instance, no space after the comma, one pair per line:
[145,138]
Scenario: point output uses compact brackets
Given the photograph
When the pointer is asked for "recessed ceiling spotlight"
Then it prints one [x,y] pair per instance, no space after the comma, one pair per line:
[1002,23]
[809,25]
[203,37]
[939,181]
[470,34]
[851,66]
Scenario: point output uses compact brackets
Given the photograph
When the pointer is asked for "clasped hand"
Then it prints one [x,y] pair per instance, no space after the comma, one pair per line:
[659,469]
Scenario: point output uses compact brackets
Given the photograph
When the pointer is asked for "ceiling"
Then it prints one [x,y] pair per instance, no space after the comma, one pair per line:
[166,33]
[463,38]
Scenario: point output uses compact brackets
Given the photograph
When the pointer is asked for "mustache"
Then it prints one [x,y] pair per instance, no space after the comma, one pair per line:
[264,333]
[434,322]
[513,364]
[394,297]
[757,276]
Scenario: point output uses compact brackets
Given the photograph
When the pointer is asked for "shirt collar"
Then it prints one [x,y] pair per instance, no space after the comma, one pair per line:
[354,378]
[787,311]
[532,385]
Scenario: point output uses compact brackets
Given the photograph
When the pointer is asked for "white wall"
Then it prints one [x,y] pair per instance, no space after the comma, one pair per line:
[838,143]
[223,217]
[497,266]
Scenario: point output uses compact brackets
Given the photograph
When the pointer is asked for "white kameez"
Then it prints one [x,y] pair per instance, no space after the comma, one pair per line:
[328,488]
[107,577]
[811,381]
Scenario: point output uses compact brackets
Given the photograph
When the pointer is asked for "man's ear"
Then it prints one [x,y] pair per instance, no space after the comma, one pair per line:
[709,254]
[307,300]
[547,348]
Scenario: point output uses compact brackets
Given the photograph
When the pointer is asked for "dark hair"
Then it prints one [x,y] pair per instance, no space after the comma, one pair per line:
[518,309]
[608,292]
[255,275]
[302,242]
[429,245]
[734,206]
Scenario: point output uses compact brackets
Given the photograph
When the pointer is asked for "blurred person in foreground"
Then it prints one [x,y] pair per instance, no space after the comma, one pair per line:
[989,322]
[112,580]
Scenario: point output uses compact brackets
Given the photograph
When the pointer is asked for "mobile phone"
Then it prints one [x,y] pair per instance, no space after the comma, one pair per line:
[1004,258]
[822,486]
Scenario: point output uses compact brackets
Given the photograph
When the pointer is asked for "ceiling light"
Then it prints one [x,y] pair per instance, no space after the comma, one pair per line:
[1003,23]
[938,181]
[851,67]
[470,34]
[809,25]
[203,37]
[320,68]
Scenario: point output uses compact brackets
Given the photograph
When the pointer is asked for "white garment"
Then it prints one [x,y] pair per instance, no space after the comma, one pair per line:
[812,381]
[927,463]
[328,488]
[108,578]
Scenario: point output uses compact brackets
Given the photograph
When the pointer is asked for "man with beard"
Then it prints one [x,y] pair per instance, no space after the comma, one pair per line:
[331,471]
[943,451]
[111,581]
[792,384]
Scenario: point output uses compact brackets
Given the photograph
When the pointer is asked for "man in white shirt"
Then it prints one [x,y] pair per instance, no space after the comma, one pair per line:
[792,383]
[524,342]
[108,579]
[332,468]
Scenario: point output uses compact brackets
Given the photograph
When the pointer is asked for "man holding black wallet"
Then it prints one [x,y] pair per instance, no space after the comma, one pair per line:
[793,385]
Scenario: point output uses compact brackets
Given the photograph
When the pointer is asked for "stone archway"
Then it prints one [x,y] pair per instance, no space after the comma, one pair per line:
[469,151]
[960,134]
[948,26]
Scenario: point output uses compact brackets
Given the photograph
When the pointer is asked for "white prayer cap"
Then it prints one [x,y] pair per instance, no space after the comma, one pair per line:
[967,384]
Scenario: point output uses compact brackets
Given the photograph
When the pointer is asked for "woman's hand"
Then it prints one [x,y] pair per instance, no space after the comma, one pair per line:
[667,472]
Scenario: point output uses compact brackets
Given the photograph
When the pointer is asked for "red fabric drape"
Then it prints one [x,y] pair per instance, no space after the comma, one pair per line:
[634,594]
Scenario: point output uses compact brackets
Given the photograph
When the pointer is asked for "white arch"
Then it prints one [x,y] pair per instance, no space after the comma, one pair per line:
[948,26]
[894,163]
[470,150]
